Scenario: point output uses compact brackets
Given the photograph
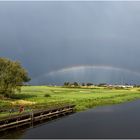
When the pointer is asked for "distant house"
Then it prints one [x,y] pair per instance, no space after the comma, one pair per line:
[121,86]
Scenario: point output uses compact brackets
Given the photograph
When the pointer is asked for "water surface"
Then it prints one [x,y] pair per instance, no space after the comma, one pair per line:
[116,121]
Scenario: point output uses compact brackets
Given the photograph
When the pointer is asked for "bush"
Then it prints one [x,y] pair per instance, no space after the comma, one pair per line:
[47,95]
[21,96]
[1,97]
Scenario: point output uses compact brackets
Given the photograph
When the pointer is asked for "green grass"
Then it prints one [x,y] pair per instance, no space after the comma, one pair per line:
[43,97]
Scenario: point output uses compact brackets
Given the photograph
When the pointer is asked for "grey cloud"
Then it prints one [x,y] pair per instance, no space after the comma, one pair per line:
[46,36]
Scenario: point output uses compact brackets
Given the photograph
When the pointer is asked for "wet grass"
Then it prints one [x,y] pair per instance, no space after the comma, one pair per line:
[43,97]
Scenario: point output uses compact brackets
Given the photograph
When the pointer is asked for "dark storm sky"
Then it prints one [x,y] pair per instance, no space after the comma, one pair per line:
[67,41]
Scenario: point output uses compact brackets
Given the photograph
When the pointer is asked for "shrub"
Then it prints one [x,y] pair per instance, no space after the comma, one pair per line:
[21,96]
[1,97]
[47,95]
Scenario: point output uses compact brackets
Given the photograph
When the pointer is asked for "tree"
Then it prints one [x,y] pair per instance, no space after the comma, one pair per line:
[75,84]
[12,76]
[83,84]
[66,83]
[89,84]
[102,84]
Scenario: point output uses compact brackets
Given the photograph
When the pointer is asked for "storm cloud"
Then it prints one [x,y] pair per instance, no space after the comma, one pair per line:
[52,36]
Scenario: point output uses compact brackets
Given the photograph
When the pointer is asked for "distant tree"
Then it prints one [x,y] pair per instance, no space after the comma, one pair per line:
[83,84]
[75,84]
[89,84]
[66,83]
[12,76]
[102,84]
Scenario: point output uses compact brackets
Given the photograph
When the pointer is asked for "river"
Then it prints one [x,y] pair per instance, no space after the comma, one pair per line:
[116,121]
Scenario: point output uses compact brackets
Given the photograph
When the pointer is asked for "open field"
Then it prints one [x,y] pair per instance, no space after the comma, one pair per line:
[43,97]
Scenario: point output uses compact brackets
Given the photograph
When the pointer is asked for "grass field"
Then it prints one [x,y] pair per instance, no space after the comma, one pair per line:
[43,97]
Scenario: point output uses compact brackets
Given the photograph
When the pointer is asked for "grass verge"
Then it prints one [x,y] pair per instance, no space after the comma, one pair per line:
[43,97]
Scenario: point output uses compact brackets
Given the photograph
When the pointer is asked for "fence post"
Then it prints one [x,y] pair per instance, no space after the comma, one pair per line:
[32,117]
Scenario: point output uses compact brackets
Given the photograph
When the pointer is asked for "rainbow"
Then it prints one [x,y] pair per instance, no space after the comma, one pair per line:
[84,67]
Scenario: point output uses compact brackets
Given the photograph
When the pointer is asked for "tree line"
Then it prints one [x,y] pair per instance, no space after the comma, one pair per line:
[76,84]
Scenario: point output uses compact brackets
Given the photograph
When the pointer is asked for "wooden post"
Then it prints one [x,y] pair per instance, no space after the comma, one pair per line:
[32,117]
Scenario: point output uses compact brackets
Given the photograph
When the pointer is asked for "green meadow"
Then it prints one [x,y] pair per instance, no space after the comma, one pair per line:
[44,97]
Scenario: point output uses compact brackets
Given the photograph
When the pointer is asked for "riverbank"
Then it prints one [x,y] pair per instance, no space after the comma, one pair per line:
[43,97]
